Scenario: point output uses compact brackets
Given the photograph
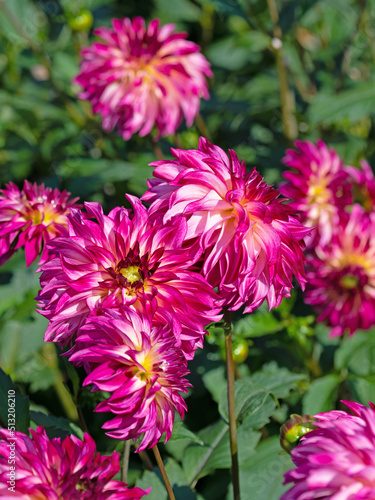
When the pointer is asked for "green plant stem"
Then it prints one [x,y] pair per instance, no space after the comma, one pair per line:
[202,127]
[288,107]
[146,460]
[231,406]
[50,358]
[156,149]
[125,461]
[163,472]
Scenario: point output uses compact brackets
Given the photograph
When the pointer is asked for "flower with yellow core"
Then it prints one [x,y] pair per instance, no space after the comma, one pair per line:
[30,218]
[341,275]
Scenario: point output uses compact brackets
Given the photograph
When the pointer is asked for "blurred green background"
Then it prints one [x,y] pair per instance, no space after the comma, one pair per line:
[48,135]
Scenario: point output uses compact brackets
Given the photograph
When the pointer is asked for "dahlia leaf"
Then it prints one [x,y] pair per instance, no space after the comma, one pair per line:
[357,353]
[257,325]
[262,473]
[352,104]
[182,432]
[231,8]
[11,397]
[278,380]
[55,426]
[198,461]
[255,395]
[176,477]
[215,382]
[321,395]
[252,401]
[362,388]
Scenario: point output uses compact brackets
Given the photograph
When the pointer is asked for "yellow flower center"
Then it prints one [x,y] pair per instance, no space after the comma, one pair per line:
[318,192]
[349,259]
[131,273]
[45,216]
[349,281]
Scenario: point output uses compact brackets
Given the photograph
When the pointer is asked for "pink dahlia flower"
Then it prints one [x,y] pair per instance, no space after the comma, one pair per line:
[252,245]
[121,259]
[318,186]
[48,469]
[142,369]
[364,184]
[337,460]
[30,218]
[139,76]
[341,275]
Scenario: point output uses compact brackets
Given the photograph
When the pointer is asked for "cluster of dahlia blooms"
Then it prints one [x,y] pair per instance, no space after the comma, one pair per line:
[30,218]
[139,76]
[341,249]
[336,460]
[131,292]
[51,469]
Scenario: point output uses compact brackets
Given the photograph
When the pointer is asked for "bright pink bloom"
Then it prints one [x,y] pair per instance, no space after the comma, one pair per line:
[341,275]
[30,218]
[337,460]
[318,186]
[141,368]
[139,76]
[48,469]
[364,184]
[121,259]
[252,245]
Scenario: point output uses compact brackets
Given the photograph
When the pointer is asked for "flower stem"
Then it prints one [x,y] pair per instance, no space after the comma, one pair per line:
[202,127]
[288,106]
[125,461]
[163,472]
[156,149]
[231,406]
[50,359]
[146,460]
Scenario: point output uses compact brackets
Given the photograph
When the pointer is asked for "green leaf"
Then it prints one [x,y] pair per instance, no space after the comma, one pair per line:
[199,461]
[278,380]
[357,353]
[261,475]
[226,53]
[55,426]
[255,395]
[30,19]
[229,7]
[215,382]
[183,10]
[362,388]
[151,479]
[176,477]
[21,404]
[182,432]
[35,372]
[351,104]
[321,395]
[250,399]
[257,325]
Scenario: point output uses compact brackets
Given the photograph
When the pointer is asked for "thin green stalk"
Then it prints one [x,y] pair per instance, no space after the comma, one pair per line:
[202,127]
[125,461]
[231,406]
[146,460]
[288,106]
[163,472]
[50,358]
[156,149]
